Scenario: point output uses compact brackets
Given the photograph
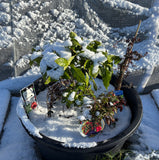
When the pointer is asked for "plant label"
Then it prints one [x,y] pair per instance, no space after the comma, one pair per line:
[29,97]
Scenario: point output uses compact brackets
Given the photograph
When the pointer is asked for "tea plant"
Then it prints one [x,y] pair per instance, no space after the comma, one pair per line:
[70,70]
[86,61]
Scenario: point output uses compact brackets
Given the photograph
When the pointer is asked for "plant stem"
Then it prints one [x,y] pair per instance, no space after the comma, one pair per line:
[124,65]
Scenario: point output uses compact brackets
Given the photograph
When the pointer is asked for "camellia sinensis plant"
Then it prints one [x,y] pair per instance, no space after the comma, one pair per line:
[73,67]
[70,69]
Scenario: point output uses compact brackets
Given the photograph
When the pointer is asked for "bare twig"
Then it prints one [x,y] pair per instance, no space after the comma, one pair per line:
[129,56]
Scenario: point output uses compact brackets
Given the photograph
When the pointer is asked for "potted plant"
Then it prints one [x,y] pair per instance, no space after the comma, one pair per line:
[69,70]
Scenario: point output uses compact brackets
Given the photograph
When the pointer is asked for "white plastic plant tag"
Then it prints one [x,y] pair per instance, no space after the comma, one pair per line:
[29,97]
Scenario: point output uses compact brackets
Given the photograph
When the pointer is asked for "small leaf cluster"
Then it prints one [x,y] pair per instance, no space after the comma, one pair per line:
[107,105]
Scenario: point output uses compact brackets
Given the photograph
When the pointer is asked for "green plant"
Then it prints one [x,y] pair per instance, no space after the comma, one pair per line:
[121,155]
[106,106]
[78,70]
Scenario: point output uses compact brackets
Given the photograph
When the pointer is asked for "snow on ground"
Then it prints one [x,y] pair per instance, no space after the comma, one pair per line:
[15,84]
[37,22]
[56,24]
[149,125]
[4,102]
[16,144]
[155,95]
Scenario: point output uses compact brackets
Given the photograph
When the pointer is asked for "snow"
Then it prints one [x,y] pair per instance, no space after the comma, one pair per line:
[148,132]
[147,145]
[15,84]
[4,17]
[4,102]
[61,128]
[24,118]
[16,144]
[145,79]
[72,96]
[149,125]
[4,7]
[137,9]
[62,21]
[155,95]
[15,135]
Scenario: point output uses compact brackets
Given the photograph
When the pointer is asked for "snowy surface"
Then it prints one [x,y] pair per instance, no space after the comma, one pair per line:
[4,102]
[27,123]
[15,84]
[61,128]
[145,143]
[42,23]
[155,94]
[149,125]
[17,143]
[57,24]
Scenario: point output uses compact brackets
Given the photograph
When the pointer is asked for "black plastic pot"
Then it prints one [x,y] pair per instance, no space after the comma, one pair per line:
[53,150]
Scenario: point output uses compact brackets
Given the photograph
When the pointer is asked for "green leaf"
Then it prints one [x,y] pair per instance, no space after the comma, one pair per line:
[70,60]
[87,79]
[68,103]
[109,58]
[28,108]
[94,85]
[66,75]
[75,47]
[48,80]
[73,34]
[37,60]
[91,70]
[33,49]
[45,76]
[31,63]
[85,63]
[77,74]
[62,62]
[105,53]
[92,46]
[116,59]
[106,77]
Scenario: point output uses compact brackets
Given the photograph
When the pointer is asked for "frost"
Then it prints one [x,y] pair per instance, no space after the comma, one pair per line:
[97,113]
[23,62]
[4,18]
[43,66]
[56,73]
[87,101]
[72,96]
[35,55]
[67,43]
[81,118]
[65,94]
